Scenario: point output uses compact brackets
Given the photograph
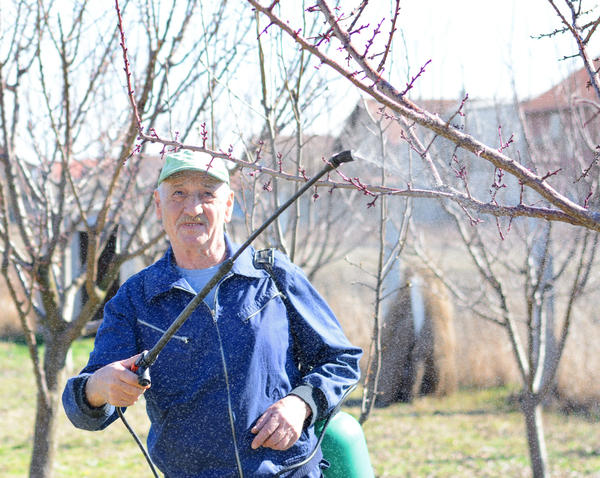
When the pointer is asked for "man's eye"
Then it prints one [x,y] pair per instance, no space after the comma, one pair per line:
[208,196]
[178,194]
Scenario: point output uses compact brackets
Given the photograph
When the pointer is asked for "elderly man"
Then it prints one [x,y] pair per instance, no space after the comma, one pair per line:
[236,392]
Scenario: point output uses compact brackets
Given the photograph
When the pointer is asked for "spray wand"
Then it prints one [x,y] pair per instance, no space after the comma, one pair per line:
[143,364]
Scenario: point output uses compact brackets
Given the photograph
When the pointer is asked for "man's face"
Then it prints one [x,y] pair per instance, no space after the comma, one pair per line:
[193,208]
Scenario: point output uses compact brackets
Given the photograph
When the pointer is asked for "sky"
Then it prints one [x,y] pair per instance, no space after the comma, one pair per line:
[475,46]
[479,45]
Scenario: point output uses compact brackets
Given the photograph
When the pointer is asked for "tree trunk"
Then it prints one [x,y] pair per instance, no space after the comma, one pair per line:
[44,438]
[42,457]
[532,410]
[544,341]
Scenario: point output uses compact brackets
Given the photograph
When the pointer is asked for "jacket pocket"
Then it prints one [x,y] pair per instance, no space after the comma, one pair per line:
[182,338]
[251,312]
[171,376]
[299,450]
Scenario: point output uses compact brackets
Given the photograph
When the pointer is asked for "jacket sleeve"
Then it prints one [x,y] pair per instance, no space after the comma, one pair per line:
[79,411]
[329,362]
[115,341]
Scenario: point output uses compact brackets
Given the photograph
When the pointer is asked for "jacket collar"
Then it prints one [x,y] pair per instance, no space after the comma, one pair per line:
[164,276]
[243,265]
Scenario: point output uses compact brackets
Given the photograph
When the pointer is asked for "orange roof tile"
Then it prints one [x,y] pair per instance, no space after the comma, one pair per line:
[561,96]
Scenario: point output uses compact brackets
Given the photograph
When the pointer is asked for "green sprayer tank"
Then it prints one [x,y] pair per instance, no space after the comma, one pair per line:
[345,448]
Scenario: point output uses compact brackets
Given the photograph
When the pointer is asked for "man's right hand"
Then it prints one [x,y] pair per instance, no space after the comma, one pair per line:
[114,383]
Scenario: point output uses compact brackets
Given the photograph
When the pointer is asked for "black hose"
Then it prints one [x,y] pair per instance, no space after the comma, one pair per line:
[138,441]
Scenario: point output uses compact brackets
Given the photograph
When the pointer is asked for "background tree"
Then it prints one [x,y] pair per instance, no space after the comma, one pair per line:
[547,265]
[390,230]
[537,188]
[67,138]
[524,292]
[291,96]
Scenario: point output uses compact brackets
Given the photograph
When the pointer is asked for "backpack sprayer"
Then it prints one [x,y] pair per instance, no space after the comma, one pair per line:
[344,446]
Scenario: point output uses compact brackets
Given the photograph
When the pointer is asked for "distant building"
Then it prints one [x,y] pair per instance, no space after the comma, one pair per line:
[369,127]
[564,129]
[144,171]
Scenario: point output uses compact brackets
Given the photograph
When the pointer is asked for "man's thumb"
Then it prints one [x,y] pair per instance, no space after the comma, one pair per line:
[130,362]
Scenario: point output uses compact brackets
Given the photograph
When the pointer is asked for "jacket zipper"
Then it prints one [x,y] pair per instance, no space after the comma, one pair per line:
[213,309]
[184,339]
[230,413]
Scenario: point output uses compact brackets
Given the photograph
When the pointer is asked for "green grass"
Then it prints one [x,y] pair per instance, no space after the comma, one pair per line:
[110,453]
[474,433]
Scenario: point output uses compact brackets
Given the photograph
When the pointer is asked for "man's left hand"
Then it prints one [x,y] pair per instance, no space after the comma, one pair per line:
[281,425]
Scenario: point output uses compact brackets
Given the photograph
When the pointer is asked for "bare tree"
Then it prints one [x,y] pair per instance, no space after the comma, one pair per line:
[545,264]
[67,138]
[292,94]
[549,283]
[542,191]
[391,239]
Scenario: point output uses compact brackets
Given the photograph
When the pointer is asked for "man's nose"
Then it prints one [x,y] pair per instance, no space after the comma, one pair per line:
[193,205]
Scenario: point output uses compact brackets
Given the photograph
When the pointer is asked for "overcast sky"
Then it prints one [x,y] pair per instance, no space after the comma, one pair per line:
[475,44]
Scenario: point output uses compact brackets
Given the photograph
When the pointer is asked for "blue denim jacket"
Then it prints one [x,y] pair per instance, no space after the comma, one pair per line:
[190,434]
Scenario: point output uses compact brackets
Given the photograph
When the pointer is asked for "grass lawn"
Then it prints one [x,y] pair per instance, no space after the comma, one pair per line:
[474,433]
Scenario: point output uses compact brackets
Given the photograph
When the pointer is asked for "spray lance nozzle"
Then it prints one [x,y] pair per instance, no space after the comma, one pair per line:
[342,157]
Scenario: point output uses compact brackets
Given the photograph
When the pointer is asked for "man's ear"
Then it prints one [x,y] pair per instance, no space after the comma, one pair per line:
[229,205]
[157,204]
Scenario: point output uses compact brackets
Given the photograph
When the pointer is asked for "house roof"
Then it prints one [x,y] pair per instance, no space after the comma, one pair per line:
[564,94]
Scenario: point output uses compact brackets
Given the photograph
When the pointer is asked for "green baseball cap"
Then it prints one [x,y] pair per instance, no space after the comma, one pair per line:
[185,160]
